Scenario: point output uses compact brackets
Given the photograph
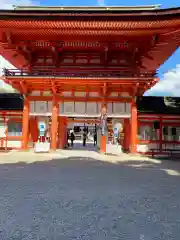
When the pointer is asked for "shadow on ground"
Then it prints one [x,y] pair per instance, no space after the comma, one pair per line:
[82,198]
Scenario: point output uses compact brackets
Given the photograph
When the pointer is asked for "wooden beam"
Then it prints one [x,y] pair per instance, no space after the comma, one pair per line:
[80,99]
[82,81]
[104,90]
[90,121]
[8,37]
[135,89]
[54,90]
[23,86]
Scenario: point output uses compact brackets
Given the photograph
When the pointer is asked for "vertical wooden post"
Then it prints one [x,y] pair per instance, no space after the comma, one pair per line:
[103,138]
[3,139]
[127,132]
[160,135]
[62,132]
[134,127]
[54,126]
[25,127]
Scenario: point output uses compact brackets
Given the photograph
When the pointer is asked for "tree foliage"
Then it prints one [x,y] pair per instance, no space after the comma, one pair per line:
[173,102]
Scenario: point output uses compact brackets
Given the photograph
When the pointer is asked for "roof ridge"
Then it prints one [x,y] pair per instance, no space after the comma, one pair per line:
[140,7]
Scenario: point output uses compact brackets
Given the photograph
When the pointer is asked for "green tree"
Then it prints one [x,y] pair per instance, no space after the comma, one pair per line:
[173,102]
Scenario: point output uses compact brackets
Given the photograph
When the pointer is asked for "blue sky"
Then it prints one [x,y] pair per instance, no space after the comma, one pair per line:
[165,3]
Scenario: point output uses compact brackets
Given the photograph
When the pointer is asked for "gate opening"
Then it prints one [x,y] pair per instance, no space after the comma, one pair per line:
[82,134]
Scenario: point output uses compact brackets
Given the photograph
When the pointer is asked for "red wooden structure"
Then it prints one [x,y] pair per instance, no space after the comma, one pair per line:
[106,51]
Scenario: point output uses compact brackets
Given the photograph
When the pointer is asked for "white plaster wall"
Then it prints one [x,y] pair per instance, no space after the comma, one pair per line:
[13,143]
[2,129]
[153,146]
[143,148]
[171,146]
[89,109]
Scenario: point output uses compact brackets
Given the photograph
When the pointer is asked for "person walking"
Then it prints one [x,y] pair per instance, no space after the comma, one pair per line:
[84,137]
[72,138]
[67,139]
[95,138]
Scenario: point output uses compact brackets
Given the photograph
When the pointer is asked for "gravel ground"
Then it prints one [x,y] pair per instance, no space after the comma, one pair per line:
[89,200]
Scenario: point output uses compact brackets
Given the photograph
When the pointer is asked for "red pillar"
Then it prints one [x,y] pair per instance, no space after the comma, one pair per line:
[62,132]
[134,127]
[25,127]
[160,134]
[103,144]
[54,126]
[33,129]
[127,134]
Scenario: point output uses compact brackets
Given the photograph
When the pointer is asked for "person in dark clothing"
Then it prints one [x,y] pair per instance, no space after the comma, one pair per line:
[72,137]
[95,138]
[84,138]
[67,140]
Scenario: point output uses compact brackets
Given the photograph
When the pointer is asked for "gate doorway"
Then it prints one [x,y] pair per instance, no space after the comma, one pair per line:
[82,133]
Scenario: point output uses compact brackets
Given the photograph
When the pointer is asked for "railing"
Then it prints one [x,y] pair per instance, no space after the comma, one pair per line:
[80,73]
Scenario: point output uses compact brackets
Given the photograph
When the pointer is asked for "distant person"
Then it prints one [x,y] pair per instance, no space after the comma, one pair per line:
[48,135]
[95,138]
[84,137]
[72,138]
[67,139]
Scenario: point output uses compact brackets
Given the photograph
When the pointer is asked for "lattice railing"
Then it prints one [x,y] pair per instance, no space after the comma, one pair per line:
[80,73]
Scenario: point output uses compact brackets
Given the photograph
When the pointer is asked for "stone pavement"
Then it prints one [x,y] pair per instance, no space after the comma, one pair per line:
[89,197]
[30,156]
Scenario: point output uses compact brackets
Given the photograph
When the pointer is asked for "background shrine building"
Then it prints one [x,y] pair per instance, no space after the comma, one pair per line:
[72,61]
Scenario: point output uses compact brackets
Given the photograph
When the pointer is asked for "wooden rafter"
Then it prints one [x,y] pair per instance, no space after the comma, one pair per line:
[24,87]
[53,86]
[135,90]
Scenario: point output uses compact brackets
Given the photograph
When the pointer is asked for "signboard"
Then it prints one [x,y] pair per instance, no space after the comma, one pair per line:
[42,128]
[42,147]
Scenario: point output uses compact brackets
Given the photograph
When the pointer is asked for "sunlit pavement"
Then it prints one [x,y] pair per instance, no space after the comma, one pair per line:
[78,145]
[84,198]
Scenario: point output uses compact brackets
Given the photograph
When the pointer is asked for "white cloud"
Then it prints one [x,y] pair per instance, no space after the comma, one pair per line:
[169,85]
[8,4]
[3,86]
[101,3]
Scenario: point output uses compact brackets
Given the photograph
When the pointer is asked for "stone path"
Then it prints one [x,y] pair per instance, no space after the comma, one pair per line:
[46,197]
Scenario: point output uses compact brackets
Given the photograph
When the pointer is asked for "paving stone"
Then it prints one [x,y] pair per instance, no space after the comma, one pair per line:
[89,200]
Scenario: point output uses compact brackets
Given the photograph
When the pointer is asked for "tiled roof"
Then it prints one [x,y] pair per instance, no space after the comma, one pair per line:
[156,105]
[11,101]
